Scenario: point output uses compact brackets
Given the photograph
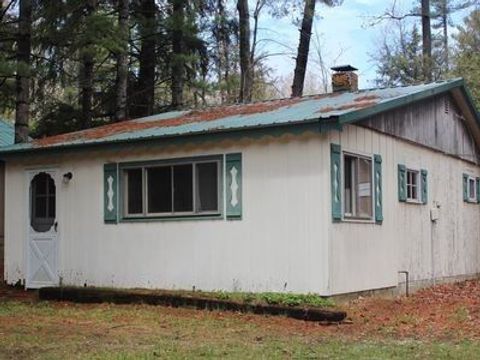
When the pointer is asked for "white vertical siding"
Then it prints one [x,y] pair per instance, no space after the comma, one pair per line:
[368,256]
[279,245]
[286,240]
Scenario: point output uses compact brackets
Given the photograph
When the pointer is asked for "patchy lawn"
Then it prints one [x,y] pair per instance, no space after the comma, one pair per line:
[443,322]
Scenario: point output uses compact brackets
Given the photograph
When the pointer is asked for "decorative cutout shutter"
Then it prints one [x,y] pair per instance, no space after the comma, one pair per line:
[377,170]
[110,193]
[424,179]
[465,187]
[234,182]
[335,175]
[478,190]
[402,183]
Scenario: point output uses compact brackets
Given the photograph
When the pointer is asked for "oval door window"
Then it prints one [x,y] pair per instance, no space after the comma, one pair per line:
[42,202]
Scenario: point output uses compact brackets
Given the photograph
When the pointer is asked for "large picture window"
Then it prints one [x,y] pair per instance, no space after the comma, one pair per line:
[357,187]
[172,188]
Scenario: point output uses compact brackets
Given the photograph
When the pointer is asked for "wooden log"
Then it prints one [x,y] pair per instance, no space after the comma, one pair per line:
[93,295]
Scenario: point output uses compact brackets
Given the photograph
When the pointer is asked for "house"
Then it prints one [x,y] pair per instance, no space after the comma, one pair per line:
[330,194]
[6,138]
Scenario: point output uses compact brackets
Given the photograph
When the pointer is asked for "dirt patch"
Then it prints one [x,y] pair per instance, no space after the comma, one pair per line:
[17,293]
[445,312]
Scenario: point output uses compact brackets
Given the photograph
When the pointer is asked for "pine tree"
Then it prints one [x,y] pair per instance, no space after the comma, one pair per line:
[400,57]
[467,56]
[246,76]
[23,71]
[122,61]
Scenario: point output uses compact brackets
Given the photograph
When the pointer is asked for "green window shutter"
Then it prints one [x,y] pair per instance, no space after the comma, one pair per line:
[402,183]
[335,174]
[465,187]
[478,190]
[234,182]
[377,170]
[424,175]
[110,193]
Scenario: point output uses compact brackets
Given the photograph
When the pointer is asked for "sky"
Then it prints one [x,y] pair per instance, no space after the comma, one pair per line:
[345,37]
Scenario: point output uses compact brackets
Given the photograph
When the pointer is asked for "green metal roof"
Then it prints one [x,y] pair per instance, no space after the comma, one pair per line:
[326,109]
[7,133]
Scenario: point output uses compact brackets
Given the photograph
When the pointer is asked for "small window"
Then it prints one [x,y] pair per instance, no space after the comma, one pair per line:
[413,185]
[357,187]
[472,189]
[184,188]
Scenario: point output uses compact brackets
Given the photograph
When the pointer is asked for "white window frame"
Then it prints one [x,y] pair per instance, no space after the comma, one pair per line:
[349,217]
[418,172]
[472,198]
[171,163]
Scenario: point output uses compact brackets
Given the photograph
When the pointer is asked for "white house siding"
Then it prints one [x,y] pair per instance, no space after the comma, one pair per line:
[369,256]
[279,245]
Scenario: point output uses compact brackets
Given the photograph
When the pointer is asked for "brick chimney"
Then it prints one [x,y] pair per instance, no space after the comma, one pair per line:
[344,78]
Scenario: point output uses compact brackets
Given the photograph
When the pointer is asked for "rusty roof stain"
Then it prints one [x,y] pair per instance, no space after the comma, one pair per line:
[193,116]
[307,109]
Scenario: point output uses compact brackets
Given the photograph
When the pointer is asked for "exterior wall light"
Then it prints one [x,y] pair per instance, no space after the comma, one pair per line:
[67,177]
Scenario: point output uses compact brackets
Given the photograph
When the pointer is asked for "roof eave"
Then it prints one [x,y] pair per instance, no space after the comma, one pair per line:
[316,122]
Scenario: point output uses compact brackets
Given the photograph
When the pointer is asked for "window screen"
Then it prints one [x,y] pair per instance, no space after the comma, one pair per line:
[413,185]
[357,187]
[159,189]
[172,189]
[183,188]
[207,186]
[135,191]
[472,189]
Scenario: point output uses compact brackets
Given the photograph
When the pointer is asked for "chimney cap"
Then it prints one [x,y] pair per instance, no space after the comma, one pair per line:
[343,68]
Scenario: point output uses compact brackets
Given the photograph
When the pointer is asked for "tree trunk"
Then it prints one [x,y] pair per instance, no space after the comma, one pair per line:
[246,79]
[145,92]
[178,58]
[122,62]
[303,48]
[221,49]
[86,75]
[446,58]
[23,71]
[427,40]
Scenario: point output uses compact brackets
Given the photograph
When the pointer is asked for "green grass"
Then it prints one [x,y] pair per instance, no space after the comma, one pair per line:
[265,298]
[74,331]
[272,298]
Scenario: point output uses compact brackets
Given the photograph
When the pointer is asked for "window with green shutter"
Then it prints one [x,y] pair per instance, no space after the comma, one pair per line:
[356,186]
[412,185]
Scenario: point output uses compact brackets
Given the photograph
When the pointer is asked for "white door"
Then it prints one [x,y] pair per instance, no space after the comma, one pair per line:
[42,230]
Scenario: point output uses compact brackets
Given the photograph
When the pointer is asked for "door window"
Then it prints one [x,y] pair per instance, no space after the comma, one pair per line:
[42,202]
